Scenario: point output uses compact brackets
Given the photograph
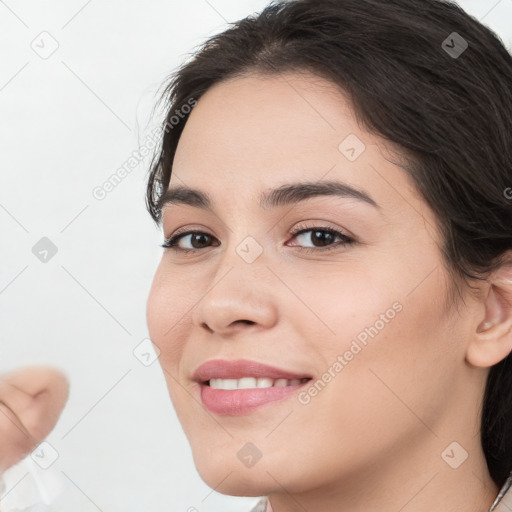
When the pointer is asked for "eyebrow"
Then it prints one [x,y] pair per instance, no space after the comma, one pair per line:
[286,194]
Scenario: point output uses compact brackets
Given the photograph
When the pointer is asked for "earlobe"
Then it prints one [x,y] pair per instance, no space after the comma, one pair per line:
[492,340]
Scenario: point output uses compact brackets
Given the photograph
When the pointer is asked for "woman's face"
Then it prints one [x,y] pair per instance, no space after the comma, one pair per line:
[366,318]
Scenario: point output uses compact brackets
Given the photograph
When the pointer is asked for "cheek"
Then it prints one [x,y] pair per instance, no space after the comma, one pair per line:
[167,314]
[382,324]
[164,312]
[402,356]
[343,305]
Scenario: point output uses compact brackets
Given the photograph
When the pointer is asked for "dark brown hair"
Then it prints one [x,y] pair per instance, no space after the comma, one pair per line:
[424,75]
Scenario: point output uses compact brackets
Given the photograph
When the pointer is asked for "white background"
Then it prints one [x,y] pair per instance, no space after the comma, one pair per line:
[67,123]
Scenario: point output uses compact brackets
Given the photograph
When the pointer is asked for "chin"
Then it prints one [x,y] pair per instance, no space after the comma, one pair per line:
[232,478]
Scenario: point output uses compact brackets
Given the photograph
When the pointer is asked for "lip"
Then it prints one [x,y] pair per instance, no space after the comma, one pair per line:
[236,369]
[237,402]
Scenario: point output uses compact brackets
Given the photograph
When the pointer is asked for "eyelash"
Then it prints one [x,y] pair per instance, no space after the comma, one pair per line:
[171,242]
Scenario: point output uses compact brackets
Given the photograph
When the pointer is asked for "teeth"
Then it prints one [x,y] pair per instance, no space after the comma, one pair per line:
[264,383]
[252,382]
[246,383]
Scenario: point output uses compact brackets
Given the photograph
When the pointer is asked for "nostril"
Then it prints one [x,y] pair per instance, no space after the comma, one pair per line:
[247,322]
[207,327]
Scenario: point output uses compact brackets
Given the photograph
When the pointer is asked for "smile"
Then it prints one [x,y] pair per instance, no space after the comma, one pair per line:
[233,388]
[253,382]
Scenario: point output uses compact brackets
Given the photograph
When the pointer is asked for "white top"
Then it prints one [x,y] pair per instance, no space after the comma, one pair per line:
[502,503]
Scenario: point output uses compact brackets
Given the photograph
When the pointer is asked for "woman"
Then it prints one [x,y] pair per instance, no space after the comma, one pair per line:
[333,307]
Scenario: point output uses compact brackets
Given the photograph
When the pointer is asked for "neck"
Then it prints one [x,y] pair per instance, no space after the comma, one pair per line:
[417,480]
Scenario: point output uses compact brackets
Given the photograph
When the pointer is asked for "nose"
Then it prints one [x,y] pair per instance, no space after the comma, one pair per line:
[240,296]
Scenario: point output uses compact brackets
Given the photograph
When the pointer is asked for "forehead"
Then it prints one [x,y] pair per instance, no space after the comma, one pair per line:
[253,132]
[262,121]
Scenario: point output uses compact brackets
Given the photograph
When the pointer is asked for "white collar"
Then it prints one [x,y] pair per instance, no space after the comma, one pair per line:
[503,501]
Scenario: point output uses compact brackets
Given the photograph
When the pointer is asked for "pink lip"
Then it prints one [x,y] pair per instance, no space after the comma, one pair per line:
[236,402]
[236,369]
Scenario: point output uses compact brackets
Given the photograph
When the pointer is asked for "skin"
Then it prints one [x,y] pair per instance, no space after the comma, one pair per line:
[31,400]
[372,439]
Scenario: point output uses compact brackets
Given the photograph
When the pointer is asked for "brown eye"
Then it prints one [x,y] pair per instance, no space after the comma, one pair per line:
[322,238]
[197,240]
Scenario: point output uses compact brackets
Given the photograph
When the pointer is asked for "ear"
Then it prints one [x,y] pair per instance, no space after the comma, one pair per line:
[492,339]
[31,400]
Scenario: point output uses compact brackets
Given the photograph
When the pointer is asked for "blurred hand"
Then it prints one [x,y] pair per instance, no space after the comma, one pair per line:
[31,400]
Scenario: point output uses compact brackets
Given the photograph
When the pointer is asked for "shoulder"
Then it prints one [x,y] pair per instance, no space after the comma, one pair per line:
[503,501]
[261,506]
